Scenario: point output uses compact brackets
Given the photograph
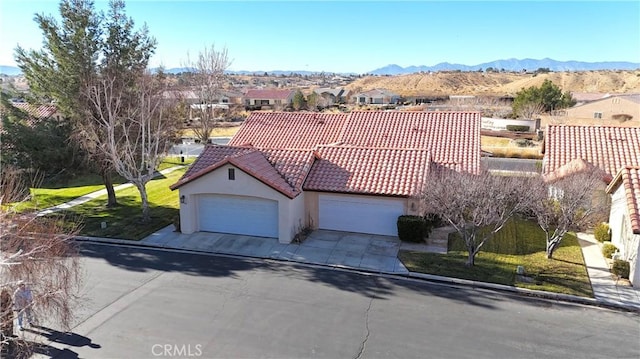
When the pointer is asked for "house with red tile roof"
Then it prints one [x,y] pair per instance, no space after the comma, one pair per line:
[273,98]
[614,153]
[354,172]
[624,218]
[609,148]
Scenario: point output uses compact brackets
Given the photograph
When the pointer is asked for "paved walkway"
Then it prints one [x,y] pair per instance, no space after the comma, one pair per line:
[88,197]
[370,253]
[605,287]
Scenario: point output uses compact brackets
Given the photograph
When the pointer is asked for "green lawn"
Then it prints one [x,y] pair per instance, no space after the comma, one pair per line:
[172,161]
[519,243]
[55,193]
[123,221]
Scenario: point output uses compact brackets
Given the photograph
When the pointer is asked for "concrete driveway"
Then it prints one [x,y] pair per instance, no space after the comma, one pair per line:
[340,249]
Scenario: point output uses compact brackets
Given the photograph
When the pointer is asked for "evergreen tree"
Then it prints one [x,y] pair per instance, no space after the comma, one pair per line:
[298,101]
[548,96]
[76,51]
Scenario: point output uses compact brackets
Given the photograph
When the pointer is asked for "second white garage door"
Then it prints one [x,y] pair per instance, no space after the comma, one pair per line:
[360,214]
[238,215]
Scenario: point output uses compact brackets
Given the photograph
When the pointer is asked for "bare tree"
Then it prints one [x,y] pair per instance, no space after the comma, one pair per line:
[476,206]
[207,73]
[570,203]
[39,251]
[138,125]
[530,110]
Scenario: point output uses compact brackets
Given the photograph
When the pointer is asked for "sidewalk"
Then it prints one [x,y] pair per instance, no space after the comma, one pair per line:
[605,288]
[88,197]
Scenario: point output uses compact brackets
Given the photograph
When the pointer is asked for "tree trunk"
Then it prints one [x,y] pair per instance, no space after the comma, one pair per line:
[108,184]
[551,246]
[146,216]
[471,260]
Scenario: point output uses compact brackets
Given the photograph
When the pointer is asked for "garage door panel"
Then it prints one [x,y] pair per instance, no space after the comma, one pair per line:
[362,215]
[238,215]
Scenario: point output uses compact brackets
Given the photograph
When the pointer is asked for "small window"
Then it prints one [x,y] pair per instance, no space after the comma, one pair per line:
[232,174]
[597,115]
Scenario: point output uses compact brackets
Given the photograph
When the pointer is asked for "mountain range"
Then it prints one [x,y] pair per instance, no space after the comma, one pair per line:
[511,65]
[506,65]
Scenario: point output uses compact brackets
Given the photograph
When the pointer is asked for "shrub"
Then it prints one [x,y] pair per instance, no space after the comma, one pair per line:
[620,268]
[608,250]
[523,142]
[601,232]
[517,128]
[411,228]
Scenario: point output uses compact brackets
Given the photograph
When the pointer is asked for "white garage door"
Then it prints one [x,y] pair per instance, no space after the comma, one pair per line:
[361,215]
[238,215]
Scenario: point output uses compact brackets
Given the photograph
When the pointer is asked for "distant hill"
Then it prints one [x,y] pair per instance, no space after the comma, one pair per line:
[511,65]
[499,83]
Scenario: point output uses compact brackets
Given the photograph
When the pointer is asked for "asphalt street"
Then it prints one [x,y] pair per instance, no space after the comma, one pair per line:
[144,303]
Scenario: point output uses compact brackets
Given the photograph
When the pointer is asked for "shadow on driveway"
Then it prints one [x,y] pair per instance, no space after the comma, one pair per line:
[26,348]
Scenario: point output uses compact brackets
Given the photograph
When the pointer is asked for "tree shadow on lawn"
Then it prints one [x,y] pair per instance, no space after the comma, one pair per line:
[368,285]
[122,222]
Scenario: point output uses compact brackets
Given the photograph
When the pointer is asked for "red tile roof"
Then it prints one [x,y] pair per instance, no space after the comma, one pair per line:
[36,111]
[609,148]
[284,171]
[294,165]
[268,94]
[629,177]
[303,130]
[346,169]
[452,137]
[576,166]
[384,153]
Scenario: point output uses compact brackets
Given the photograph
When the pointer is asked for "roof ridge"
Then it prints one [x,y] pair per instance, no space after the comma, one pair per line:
[373,147]
[284,178]
[257,175]
[592,126]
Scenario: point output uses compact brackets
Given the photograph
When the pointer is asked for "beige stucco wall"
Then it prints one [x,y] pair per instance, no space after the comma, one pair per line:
[622,235]
[608,107]
[312,206]
[217,182]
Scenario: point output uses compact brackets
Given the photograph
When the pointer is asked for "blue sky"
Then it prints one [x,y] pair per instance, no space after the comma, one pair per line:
[360,36]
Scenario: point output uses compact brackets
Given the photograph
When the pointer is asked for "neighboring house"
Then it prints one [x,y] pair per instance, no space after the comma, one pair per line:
[583,97]
[191,97]
[268,97]
[354,172]
[615,153]
[624,218]
[376,97]
[607,147]
[332,95]
[618,107]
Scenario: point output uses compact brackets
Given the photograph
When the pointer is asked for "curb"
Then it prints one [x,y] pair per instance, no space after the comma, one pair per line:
[410,275]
